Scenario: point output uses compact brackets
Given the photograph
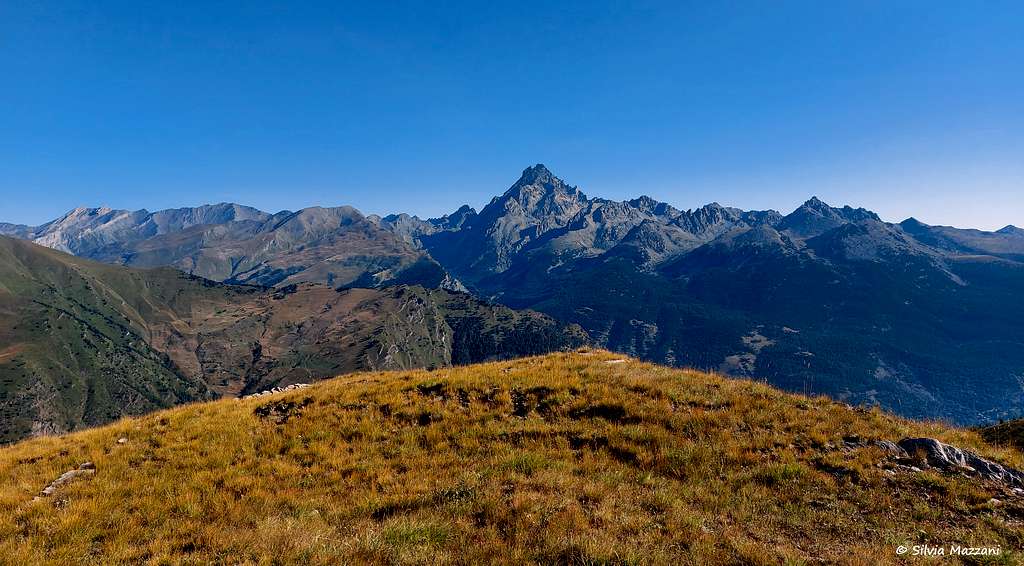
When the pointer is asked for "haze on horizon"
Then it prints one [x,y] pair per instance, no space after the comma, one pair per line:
[908,110]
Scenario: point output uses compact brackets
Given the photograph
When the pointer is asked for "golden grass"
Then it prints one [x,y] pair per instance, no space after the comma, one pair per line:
[563,458]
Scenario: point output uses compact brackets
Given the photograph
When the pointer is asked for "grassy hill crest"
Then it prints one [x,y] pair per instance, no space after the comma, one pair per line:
[581,457]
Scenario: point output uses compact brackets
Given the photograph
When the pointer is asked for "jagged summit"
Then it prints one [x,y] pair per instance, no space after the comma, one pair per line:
[815,203]
[816,217]
[653,206]
[539,178]
[536,173]
[537,198]
[847,212]
[1011,230]
[457,218]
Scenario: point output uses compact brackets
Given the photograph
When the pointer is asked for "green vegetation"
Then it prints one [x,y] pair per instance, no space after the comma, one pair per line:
[73,341]
[568,458]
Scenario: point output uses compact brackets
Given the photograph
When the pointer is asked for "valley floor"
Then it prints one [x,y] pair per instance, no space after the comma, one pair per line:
[579,457]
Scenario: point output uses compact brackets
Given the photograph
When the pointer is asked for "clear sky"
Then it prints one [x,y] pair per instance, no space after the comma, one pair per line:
[908,108]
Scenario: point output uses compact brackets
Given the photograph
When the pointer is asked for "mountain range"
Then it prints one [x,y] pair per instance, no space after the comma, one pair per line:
[923,320]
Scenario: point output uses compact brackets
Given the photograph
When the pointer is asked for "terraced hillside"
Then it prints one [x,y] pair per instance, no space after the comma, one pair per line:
[580,458]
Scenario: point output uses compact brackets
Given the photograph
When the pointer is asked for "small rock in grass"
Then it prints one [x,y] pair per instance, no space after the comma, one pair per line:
[85,469]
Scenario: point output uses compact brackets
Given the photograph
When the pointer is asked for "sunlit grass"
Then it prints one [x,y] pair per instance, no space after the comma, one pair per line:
[562,458]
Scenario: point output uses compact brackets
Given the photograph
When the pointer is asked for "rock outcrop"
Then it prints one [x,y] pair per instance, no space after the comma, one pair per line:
[933,453]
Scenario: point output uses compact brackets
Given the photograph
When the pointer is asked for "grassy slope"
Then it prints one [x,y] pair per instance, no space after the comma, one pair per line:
[566,457]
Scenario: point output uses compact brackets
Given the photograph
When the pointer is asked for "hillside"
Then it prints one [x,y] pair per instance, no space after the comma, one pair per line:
[83,343]
[72,346]
[572,458]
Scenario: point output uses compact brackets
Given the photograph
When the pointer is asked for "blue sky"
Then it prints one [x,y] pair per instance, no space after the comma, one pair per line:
[907,108]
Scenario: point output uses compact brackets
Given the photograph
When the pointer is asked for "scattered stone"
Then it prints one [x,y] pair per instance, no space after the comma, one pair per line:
[122,440]
[85,469]
[619,361]
[291,387]
[994,502]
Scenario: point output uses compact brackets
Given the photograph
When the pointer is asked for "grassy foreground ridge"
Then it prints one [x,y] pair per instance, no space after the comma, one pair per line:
[580,457]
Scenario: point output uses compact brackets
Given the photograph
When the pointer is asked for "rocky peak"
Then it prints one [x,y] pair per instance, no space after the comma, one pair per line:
[538,174]
[411,228]
[761,217]
[84,214]
[708,217]
[817,205]
[1011,230]
[406,226]
[454,220]
[538,181]
[847,213]
[537,198]
[815,217]
[654,207]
